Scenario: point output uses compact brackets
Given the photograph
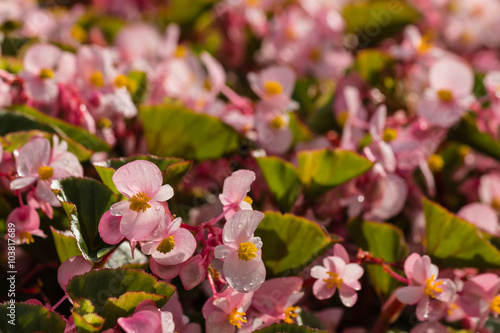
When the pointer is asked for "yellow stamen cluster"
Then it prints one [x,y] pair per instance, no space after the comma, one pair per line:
[248,199]
[495,304]
[27,237]
[97,79]
[445,95]
[463,151]
[333,280]
[272,87]
[277,122]
[46,73]
[45,172]
[121,81]
[432,287]
[290,313]
[247,251]
[139,202]
[105,123]
[236,318]
[436,163]
[181,51]
[496,203]
[252,3]
[390,134]
[166,245]
[78,33]
[342,118]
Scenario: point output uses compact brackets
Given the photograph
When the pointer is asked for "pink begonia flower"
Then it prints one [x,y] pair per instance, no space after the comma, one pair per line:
[226,311]
[392,198]
[148,318]
[424,288]
[430,327]
[274,85]
[337,273]
[480,297]
[181,321]
[482,216]
[137,45]
[36,162]
[191,272]
[243,266]
[273,132]
[276,298]
[27,224]
[39,74]
[173,245]
[450,92]
[141,183]
[489,189]
[330,317]
[350,117]
[70,268]
[234,193]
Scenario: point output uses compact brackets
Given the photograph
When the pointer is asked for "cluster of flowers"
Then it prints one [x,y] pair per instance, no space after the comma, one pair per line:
[443,69]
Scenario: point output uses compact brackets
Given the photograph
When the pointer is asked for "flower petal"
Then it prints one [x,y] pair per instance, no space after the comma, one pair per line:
[244,276]
[109,228]
[136,226]
[136,177]
[241,226]
[410,295]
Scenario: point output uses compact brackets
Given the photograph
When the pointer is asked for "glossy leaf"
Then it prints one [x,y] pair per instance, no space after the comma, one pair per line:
[30,318]
[454,242]
[300,131]
[20,118]
[172,168]
[283,180]
[172,130]
[289,328]
[321,170]
[290,243]
[384,241]
[85,201]
[371,63]
[66,246]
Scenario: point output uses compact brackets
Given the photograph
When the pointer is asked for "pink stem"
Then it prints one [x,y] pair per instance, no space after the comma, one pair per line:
[59,303]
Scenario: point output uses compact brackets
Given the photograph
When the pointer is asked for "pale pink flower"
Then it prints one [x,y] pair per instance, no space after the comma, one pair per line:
[234,193]
[148,318]
[226,311]
[36,162]
[27,224]
[182,324]
[480,297]
[274,85]
[141,183]
[70,268]
[276,298]
[337,273]
[172,245]
[273,132]
[425,288]
[243,266]
[450,92]
[482,216]
[191,272]
[489,189]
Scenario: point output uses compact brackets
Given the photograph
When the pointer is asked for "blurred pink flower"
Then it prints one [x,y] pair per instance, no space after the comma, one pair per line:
[480,297]
[234,193]
[70,268]
[148,318]
[27,224]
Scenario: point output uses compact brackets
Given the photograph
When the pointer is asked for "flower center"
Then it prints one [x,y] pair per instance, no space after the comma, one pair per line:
[139,202]
[252,3]
[432,287]
[333,280]
[78,33]
[277,122]
[445,95]
[26,236]
[290,313]
[236,318]
[166,245]
[248,199]
[495,304]
[247,251]
[121,81]
[45,172]
[390,134]
[97,79]
[436,163]
[315,54]
[273,87]
[180,51]
[46,73]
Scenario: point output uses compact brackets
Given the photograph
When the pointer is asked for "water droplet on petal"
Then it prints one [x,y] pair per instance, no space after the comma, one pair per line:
[157,207]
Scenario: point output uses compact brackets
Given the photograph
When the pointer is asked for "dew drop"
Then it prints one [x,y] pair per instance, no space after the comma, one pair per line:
[157,207]
[239,226]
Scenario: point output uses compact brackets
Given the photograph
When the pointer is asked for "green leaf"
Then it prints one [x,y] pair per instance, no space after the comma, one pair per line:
[182,12]
[289,328]
[104,287]
[454,242]
[466,132]
[172,168]
[15,140]
[29,318]
[300,131]
[321,170]
[88,323]
[283,180]
[25,118]
[66,246]
[139,88]
[371,63]
[372,21]
[125,305]
[384,241]
[85,201]
[290,243]
[172,130]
